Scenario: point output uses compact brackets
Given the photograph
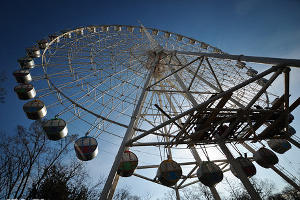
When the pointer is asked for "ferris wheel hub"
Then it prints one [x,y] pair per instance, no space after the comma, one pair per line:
[157,60]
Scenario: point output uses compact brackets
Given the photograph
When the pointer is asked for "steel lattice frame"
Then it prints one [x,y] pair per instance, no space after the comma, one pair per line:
[93,77]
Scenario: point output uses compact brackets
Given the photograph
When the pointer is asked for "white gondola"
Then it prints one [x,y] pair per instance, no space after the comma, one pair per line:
[118,28]
[33,52]
[25,91]
[130,29]
[128,163]
[262,81]
[154,32]
[209,173]
[55,129]
[35,109]
[22,76]
[92,29]
[86,148]
[279,145]
[167,34]
[43,44]
[240,64]
[251,72]
[191,41]
[246,165]
[67,34]
[80,31]
[179,37]
[104,28]
[215,50]
[54,37]
[169,172]
[265,157]
[204,45]
[26,63]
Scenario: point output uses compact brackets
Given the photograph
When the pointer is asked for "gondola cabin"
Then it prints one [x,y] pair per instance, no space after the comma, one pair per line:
[251,72]
[80,31]
[22,76]
[291,131]
[86,148]
[279,145]
[26,63]
[104,28]
[179,37]
[35,109]
[54,37]
[92,29]
[204,45]
[209,173]
[67,34]
[169,172]
[167,34]
[222,129]
[55,129]
[130,29]
[43,44]
[191,41]
[128,163]
[262,81]
[33,52]
[246,165]
[291,118]
[265,157]
[154,32]
[118,28]
[25,91]
[240,64]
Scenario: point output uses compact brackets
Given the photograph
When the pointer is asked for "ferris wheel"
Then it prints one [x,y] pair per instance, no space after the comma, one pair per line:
[162,91]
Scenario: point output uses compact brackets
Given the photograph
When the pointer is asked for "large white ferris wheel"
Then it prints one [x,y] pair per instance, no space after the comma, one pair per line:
[164,92]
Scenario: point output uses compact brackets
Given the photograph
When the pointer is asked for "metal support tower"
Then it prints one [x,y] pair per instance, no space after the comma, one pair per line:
[128,135]
[128,140]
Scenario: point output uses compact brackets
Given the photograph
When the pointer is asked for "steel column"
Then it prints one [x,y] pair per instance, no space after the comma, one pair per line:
[128,136]
[241,174]
[177,194]
[294,142]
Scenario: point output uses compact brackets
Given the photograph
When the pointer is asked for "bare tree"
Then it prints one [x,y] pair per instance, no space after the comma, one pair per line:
[31,166]
[195,192]
[265,189]
[66,182]
[288,193]
[25,158]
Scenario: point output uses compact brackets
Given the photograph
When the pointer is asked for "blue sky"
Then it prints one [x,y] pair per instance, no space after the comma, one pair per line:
[250,27]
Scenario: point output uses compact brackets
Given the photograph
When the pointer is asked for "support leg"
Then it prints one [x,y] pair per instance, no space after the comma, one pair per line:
[215,193]
[113,187]
[241,175]
[128,136]
[177,194]
[294,142]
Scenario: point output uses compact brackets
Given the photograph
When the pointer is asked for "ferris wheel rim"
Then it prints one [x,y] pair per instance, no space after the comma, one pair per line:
[184,40]
[64,33]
